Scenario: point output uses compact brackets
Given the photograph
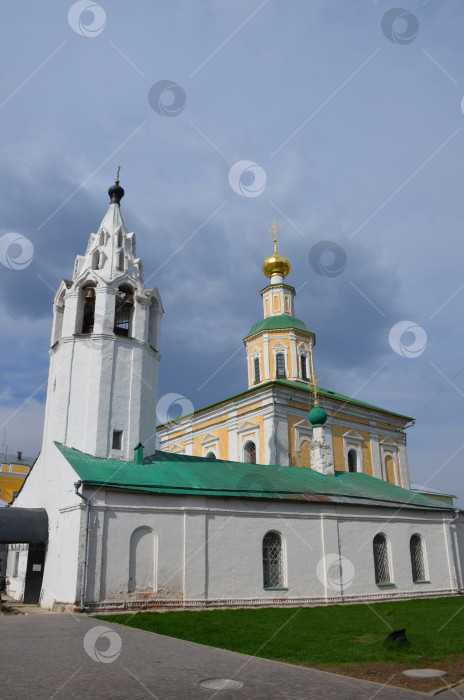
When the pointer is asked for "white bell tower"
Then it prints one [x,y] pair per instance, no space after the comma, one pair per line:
[104,354]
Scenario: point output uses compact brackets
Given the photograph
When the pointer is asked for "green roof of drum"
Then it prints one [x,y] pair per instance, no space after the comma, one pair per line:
[168,473]
[275,323]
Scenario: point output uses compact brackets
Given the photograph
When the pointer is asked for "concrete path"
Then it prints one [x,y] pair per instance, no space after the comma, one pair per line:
[65,656]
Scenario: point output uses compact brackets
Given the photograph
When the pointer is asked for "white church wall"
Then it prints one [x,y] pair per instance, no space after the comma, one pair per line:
[50,485]
[356,543]
[210,549]
[457,539]
[115,522]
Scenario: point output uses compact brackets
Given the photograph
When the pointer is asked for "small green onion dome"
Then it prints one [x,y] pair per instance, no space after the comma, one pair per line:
[317,416]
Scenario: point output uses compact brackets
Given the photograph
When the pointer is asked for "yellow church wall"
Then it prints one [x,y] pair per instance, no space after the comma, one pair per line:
[390,470]
[213,421]
[385,426]
[347,417]
[366,452]
[253,406]
[272,344]
[339,455]
[243,437]
[174,436]
[302,406]
[301,458]
[223,441]
[337,440]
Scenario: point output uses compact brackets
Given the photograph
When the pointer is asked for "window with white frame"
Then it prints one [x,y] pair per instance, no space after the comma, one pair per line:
[381,559]
[273,569]
[280,365]
[417,559]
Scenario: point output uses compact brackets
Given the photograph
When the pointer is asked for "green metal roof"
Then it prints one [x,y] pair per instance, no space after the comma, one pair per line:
[168,473]
[334,395]
[302,386]
[275,323]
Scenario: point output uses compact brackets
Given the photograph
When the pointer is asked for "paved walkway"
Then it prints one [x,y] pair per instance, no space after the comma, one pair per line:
[50,656]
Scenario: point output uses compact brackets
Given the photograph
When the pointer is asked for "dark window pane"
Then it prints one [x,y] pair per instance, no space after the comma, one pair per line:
[280,365]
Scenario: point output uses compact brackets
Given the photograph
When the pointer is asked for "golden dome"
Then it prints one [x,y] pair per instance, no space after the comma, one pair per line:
[276,265]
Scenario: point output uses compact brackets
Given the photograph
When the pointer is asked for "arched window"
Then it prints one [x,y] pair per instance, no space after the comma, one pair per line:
[123,310]
[417,558]
[88,319]
[142,560]
[352,460]
[95,260]
[120,261]
[273,570]
[390,469]
[381,559]
[304,367]
[280,365]
[210,455]
[249,452]
[257,372]
[101,240]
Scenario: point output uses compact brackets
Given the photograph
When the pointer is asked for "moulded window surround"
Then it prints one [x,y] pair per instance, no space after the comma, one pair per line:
[117,440]
[273,565]
[381,560]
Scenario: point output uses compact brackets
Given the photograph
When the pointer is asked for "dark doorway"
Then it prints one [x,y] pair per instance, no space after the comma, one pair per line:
[34,575]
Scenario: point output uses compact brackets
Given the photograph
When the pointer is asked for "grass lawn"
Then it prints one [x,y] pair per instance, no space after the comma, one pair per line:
[322,636]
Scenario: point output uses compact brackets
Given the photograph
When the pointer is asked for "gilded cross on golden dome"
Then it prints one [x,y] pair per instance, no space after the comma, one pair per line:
[274,231]
[117,175]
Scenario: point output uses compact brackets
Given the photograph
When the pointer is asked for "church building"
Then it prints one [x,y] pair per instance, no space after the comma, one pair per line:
[268,423]
[285,494]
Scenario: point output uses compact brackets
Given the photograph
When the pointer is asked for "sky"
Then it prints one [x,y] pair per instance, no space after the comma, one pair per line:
[341,121]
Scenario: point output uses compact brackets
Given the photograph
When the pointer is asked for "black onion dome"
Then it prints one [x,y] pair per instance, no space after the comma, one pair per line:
[116,193]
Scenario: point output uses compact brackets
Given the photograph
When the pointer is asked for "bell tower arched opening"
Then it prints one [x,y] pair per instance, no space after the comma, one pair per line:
[124,310]
[88,317]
